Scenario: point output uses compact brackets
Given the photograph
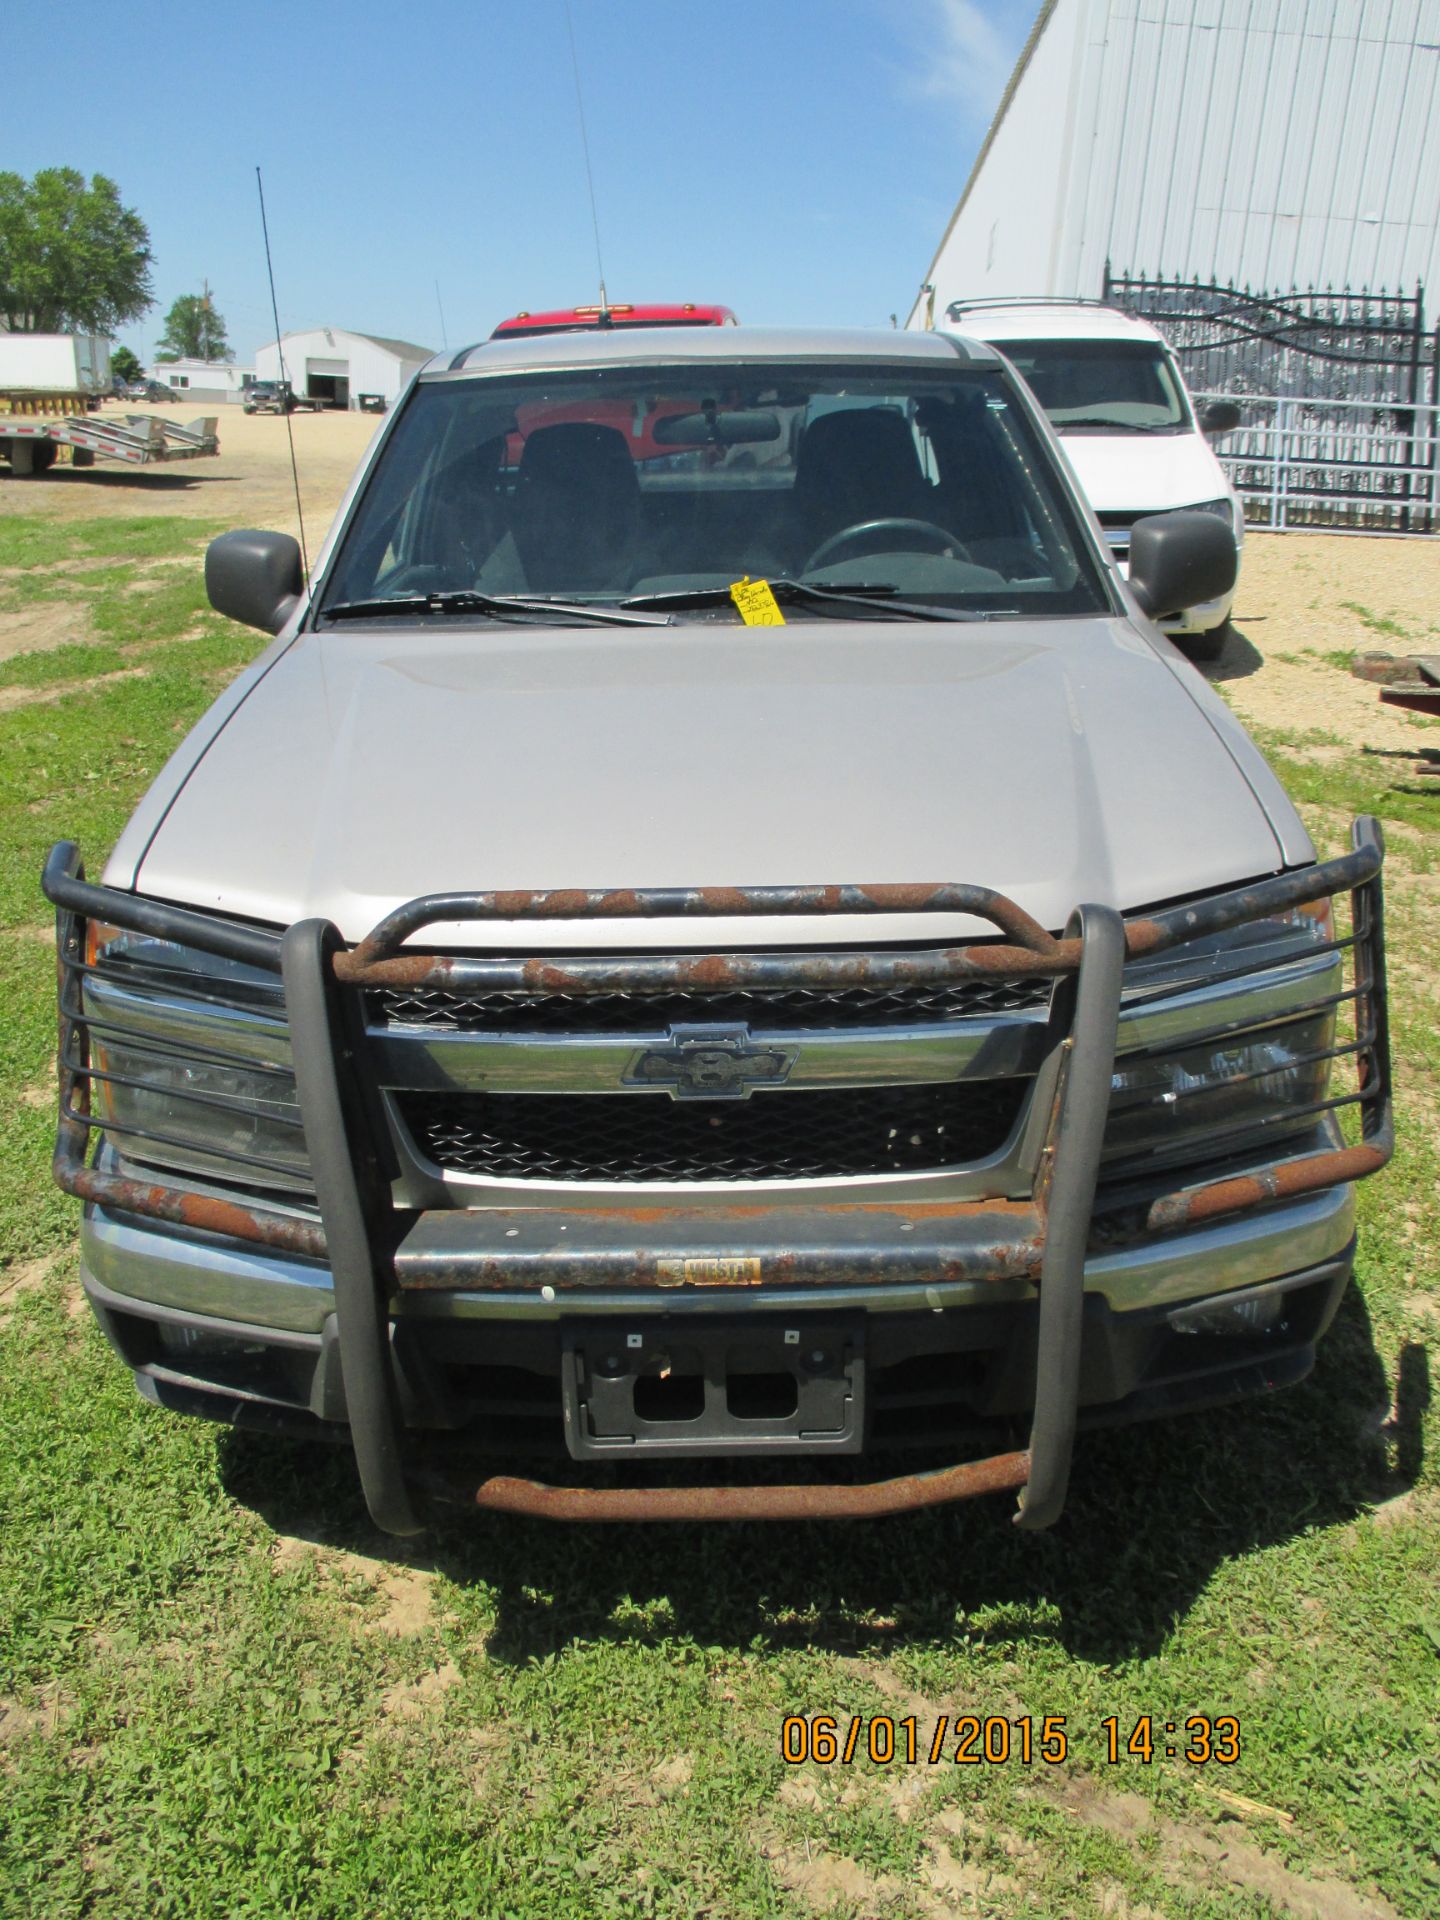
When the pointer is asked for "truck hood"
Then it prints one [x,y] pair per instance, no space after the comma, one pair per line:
[1058,762]
[1144,473]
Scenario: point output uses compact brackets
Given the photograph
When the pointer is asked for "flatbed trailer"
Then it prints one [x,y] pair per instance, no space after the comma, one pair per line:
[32,433]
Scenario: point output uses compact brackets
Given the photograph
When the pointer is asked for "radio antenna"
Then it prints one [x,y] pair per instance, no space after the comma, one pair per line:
[440,306]
[589,175]
[284,379]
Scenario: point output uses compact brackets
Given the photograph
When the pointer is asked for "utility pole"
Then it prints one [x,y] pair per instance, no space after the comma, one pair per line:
[204,319]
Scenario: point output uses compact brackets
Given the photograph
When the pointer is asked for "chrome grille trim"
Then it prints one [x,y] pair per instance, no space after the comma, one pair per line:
[428,1061]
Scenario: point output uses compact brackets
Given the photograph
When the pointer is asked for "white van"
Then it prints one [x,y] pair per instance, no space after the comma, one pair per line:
[1116,397]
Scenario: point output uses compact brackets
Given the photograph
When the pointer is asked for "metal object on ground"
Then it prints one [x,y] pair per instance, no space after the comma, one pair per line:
[1412,683]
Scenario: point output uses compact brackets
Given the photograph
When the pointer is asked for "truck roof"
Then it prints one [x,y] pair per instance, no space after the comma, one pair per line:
[1035,319]
[618,313]
[645,345]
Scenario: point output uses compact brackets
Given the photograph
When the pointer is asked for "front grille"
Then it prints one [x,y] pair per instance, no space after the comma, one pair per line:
[1116,528]
[791,1007]
[771,1136]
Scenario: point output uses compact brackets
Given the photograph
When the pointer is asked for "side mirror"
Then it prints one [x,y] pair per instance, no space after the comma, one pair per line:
[255,578]
[1180,560]
[1220,416]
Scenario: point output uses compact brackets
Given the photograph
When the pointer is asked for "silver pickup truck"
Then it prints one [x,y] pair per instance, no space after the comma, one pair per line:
[719,929]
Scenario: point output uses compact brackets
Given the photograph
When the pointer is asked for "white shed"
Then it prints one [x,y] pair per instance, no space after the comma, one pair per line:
[207,380]
[338,366]
[1256,143]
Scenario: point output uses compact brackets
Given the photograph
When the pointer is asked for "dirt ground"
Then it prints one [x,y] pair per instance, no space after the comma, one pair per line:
[1304,599]
[1307,598]
[248,485]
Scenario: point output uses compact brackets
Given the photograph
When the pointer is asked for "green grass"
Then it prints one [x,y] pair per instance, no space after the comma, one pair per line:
[222,1693]
[1387,628]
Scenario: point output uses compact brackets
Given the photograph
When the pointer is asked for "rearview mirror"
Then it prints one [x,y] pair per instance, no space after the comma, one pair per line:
[255,578]
[1180,560]
[1220,416]
[716,429]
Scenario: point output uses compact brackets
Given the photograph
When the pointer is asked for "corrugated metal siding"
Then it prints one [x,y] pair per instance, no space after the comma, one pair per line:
[1268,143]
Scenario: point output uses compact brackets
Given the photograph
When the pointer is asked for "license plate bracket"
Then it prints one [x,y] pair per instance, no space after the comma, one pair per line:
[681,1386]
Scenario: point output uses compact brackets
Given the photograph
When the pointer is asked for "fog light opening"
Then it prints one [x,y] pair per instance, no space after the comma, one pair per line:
[198,1343]
[1256,1313]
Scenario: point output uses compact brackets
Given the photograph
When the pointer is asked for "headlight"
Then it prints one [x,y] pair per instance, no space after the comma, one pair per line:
[1223,509]
[1226,1042]
[190,1061]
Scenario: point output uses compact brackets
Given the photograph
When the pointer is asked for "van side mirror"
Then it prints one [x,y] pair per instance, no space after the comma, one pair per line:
[255,578]
[1180,560]
[1220,416]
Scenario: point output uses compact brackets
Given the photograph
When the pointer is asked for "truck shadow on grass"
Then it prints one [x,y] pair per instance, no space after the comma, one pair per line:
[1153,1511]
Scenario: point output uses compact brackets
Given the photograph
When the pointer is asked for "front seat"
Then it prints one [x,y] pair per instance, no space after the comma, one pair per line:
[576,509]
[851,466]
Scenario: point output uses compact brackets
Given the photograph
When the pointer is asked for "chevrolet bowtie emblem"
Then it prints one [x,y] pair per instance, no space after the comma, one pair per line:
[710,1063]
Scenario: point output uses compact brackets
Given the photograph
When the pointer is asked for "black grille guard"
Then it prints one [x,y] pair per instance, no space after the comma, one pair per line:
[374,1258]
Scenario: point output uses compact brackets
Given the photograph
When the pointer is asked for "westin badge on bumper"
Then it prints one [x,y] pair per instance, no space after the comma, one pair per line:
[710,1063]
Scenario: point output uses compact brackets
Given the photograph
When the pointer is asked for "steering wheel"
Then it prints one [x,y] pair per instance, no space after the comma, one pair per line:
[924,535]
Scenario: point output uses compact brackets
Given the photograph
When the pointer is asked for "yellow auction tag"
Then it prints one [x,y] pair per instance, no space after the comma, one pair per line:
[758,605]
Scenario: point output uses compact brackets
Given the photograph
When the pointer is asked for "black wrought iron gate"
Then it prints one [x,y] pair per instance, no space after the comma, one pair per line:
[1340,393]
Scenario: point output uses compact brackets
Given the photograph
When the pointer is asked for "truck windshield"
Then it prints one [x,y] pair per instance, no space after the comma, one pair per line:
[612,484]
[1101,386]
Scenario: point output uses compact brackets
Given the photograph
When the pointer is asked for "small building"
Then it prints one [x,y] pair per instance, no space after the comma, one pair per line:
[211,381]
[338,366]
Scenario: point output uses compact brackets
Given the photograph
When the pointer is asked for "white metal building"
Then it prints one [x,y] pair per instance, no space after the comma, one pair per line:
[334,364]
[1264,143]
[207,380]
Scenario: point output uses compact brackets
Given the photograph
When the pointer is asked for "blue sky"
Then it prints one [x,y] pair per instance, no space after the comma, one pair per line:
[795,159]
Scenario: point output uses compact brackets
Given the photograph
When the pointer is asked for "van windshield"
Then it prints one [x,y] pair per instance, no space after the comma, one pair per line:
[1101,386]
[614,483]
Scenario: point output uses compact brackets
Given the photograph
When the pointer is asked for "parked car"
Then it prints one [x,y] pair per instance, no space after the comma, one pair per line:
[276,396]
[761,950]
[148,391]
[640,430]
[1115,395]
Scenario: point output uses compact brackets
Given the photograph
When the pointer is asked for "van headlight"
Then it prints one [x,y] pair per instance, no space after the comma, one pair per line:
[189,1061]
[1223,509]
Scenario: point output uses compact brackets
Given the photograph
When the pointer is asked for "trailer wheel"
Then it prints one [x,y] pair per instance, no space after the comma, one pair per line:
[31,457]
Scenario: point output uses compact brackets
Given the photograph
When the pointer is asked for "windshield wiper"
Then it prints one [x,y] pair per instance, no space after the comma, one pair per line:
[862,596]
[1114,426]
[504,606]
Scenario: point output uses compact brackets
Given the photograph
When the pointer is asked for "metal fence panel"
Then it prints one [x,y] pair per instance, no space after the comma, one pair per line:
[1345,465]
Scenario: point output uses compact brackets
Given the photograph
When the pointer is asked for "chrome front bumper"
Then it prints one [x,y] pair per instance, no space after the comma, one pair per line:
[175,1273]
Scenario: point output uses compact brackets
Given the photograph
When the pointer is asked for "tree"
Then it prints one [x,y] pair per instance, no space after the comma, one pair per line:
[124,363]
[72,259]
[194,331]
